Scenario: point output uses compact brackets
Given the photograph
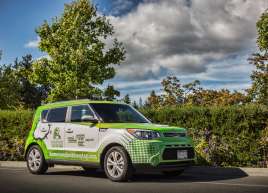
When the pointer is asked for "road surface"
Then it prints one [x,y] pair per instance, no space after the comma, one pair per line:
[19,180]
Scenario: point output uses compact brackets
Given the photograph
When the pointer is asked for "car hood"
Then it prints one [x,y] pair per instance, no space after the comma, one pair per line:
[149,126]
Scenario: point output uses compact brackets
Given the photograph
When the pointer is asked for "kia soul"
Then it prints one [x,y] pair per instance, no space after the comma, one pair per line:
[111,136]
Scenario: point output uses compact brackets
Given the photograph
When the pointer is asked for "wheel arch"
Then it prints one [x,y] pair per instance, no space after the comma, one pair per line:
[106,148]
[32,144]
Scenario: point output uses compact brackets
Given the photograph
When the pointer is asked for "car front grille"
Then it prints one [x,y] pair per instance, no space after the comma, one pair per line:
[171,153]
[174,134]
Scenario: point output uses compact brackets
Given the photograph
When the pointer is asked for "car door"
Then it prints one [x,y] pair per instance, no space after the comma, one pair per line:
[55,123]
[81,136]
[50,129]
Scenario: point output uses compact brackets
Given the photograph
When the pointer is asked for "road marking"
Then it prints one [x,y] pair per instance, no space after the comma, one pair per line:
[233,184]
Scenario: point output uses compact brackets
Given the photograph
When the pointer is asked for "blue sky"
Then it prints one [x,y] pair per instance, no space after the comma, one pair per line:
[208,40]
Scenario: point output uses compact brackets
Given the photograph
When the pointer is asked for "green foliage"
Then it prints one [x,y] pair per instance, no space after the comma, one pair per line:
[173,90]
[135,105]
[223,136]
[9,88]
[79,58]
[16,90]
[234,131]
[30,95]
[14,127]
[110,93]
[192,93]
[259,89]
[126,99]
[154,100]
[262,28]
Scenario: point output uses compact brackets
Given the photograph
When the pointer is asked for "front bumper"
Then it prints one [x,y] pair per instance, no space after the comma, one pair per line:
[160,153]
[169,166]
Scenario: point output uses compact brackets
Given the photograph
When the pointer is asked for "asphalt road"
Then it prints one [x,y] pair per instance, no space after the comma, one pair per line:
[19,180]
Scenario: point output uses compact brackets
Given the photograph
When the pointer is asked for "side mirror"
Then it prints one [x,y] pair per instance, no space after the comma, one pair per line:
[89,118]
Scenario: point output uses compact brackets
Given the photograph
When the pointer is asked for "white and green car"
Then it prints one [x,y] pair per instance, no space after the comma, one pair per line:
[109,135]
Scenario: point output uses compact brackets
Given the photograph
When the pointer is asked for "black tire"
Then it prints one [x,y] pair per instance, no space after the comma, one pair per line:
[42,166]
[126,168]
[173,173]
[88,169]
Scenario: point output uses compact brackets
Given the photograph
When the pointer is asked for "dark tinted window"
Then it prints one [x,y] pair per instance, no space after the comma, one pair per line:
[79,111]
[44,115]
[118,113]
[57,115]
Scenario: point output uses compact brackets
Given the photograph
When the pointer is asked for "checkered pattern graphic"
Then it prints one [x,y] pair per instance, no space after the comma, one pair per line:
[141,151]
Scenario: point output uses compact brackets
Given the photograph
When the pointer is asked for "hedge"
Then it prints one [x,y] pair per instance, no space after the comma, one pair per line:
[14,126]
[223,136]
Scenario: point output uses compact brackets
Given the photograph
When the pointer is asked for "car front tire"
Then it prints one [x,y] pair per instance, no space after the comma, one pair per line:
[117,164]
[36,162]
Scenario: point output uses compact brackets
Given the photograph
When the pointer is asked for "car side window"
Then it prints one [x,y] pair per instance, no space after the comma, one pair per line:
[57,115]
[79,111]
[44,115]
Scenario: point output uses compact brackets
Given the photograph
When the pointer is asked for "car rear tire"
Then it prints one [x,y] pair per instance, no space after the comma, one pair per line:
[173,173]
[36,162]
[117,164]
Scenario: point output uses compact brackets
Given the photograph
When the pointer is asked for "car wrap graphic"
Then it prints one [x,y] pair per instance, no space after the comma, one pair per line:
[41,132]
[88,141]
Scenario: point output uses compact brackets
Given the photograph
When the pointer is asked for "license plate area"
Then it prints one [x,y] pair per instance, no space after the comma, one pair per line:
[182,154]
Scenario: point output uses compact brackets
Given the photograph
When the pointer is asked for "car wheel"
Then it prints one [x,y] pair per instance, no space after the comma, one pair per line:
[35,160]
[173,173]
[117,164]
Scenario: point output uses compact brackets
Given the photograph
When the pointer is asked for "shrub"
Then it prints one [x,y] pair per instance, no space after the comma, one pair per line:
[224,136]
[14,126]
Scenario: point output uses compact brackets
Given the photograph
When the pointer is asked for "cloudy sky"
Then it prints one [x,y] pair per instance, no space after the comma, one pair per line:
[208,40]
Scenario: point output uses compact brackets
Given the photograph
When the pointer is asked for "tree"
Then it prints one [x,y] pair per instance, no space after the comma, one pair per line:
[173,90]
[30,95]
[15,87]
[110,93]
[153,100]
[9,88]
[259,89]
[207,97]
[190,90]
[79,58]
[140,102]
[126,99]
[135,105]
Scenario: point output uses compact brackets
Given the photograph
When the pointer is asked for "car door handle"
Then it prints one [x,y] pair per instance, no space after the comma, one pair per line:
[69,131]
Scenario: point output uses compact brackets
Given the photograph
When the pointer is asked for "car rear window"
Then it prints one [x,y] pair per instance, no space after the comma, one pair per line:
[57,115]
[44,115]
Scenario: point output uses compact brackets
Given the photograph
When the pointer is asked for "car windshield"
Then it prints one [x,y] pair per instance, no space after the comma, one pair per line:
[118,113]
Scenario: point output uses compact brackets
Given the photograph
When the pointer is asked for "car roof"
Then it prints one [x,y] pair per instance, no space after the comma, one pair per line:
[75,102]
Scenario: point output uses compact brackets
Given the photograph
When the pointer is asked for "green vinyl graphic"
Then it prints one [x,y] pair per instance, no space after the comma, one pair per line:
[86,141]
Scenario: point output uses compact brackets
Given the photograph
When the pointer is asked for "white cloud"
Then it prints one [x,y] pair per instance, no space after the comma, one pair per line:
[208,40]
[33,43]
[176,37]
[119,6]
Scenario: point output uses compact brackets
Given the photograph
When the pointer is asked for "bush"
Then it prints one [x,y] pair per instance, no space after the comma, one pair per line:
[223,136]
[14,126]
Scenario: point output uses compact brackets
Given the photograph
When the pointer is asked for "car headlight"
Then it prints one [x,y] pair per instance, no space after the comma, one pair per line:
[144,134]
